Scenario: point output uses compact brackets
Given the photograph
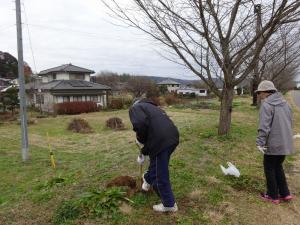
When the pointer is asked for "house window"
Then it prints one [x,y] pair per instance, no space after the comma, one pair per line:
[54,76]
[76,76]
[66,98]
[202,91]
[77,98]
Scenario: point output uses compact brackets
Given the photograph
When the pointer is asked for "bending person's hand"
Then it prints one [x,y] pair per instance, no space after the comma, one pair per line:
[140,159]
[139,144]
[262,149]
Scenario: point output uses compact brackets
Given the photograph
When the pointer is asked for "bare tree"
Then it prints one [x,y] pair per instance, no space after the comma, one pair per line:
[212,38]
[139,86]
[108,78]
[199,84]
[279,59]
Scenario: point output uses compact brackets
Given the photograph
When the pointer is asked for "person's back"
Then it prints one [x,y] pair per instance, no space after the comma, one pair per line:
[280,137]
[160,137]
[155,128]
[274,140]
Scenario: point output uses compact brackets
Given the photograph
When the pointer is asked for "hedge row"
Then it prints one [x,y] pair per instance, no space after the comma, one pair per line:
[75,107]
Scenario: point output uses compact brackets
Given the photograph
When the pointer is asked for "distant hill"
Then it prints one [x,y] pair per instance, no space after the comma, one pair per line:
[8,66]
[115,77]
[159,79]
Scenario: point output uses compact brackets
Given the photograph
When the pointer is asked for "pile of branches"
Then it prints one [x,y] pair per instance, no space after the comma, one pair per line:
[115,123]
[79,125]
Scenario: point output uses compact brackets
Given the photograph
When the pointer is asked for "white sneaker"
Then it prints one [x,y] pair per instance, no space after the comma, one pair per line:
[145,185]
[161,208]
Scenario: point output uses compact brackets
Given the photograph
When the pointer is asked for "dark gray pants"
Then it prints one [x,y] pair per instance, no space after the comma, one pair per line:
[275,177]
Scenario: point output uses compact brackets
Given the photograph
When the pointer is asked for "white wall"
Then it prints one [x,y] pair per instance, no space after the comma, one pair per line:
[186,91]
[172,89]
[87,77]
[104,100]
[45,79]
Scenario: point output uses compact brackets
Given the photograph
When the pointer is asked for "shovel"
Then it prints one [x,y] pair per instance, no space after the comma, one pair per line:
[140,183]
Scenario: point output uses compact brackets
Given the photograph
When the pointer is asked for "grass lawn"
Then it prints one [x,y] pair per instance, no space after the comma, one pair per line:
[33,193]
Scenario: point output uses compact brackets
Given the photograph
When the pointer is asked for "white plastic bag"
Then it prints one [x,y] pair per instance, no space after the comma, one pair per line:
[231,170]
[296,136]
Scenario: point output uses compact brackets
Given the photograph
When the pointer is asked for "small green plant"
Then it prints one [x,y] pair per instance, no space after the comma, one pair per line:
[91,204]
[55,181]
[102,203]
[68,210]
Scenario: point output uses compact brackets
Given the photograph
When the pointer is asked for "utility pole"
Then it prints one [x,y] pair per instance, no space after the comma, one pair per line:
[23,113]
[255,81]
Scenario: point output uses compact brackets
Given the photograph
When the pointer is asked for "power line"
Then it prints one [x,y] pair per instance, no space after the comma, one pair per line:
[29,37]
[90,34]
[2,28]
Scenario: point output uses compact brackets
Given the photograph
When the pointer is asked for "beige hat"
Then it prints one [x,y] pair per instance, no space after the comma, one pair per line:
[266,85]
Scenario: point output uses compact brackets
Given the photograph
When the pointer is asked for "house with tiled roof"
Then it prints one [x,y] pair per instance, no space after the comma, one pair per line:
[65,83]
[170,84]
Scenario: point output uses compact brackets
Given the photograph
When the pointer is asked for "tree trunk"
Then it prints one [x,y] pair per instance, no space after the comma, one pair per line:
[225,112]
[254,88]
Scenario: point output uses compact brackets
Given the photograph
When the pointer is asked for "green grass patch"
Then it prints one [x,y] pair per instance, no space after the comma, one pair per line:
[215,196]
[91,205]
[87,162]
[245,183]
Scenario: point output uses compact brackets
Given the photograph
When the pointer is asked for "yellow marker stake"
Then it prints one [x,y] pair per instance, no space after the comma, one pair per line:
[51,153]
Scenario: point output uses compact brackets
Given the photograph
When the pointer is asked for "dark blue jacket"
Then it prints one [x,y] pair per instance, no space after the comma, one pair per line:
[153,127]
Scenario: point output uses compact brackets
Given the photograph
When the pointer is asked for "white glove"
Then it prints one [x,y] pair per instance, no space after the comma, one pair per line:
[261,149]
[140,159]
[139,144]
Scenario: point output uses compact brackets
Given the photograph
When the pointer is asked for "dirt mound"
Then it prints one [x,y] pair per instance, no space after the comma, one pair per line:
[80,125]
[128,182]
[122,181]
[115,123]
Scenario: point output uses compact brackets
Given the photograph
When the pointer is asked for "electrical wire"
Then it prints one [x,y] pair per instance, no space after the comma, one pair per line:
[2,28]
[29,37]
[89,34]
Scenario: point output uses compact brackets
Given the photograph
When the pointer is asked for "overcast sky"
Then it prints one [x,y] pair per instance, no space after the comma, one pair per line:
[81,32]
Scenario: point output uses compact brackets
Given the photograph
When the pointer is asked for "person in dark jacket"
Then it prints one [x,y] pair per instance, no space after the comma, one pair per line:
[274,140]
[159,137]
